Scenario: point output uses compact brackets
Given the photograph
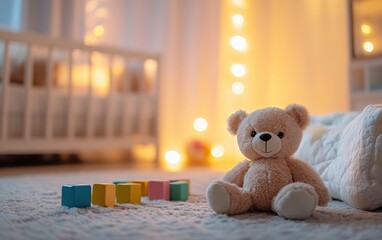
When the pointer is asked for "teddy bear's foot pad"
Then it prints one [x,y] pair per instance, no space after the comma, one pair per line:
[218,198]
[296,201]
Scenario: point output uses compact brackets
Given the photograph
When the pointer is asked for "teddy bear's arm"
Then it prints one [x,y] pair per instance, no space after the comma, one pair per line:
[236,174]
[303,172]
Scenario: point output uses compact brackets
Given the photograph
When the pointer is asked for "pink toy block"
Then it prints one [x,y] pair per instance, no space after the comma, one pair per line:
[159,190]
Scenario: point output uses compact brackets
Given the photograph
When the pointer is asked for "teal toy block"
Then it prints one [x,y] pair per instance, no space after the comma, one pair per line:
[78,195]
[179,191]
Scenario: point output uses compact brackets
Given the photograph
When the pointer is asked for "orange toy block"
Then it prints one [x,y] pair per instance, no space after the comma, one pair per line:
[144,186]
[129,193]
[103,194]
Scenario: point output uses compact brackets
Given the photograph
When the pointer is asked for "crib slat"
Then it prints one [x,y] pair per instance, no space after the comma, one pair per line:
[49,99]
[155,102]
[156,111]
[90,109]
[126,89]
[70,112]
[5,91]
[109,108]
[28,97]
[142,107]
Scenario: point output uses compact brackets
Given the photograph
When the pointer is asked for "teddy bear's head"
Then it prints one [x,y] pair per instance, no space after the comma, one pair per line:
[269,132]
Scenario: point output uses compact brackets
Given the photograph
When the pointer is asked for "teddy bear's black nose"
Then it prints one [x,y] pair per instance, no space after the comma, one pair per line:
[265,137]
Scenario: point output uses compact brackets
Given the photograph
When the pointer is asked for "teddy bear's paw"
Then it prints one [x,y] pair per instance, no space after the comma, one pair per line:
[296,201]
[218,198]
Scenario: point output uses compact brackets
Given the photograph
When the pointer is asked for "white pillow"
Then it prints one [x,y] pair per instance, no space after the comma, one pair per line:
[346,150]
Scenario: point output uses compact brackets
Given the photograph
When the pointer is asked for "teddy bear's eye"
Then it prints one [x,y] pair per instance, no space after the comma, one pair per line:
[280,134]
[253,133]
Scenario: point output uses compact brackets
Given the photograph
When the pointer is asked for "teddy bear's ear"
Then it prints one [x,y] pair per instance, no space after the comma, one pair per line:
[234,121]
[299,113]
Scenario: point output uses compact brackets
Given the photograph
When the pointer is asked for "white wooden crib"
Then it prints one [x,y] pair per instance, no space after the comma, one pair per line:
[63,96]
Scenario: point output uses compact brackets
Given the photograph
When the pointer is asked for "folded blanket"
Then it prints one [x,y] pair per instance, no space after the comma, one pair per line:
[346,150]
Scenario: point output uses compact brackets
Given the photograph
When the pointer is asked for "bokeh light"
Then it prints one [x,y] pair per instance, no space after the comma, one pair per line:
[172,157]
[217,151]
[238,88]
[238,70]
[368,46]
[238,43]
[200,124]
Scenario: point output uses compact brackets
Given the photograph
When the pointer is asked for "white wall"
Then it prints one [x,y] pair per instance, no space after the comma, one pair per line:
[133,24]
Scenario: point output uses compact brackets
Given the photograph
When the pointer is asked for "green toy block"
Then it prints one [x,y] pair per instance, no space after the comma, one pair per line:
[78,195]
[184,180]
[121,181]
[179,191]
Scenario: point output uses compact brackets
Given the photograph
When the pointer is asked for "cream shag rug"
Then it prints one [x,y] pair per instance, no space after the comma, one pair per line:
[30,209]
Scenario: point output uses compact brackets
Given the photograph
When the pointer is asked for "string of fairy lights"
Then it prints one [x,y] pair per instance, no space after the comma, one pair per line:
[367,45]
[238,44]
[96,11]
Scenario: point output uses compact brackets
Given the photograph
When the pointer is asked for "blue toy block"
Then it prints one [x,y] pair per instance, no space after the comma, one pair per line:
[78,195]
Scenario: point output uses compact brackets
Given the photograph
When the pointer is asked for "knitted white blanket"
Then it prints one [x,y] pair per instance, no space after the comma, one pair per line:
[346,150]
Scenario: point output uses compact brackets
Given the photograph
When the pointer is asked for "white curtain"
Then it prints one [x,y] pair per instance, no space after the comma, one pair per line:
[308,53]
[190,74]
[299,54]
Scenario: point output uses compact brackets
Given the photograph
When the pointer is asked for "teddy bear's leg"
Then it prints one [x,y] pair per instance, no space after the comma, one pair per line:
[225,197]
[295,201]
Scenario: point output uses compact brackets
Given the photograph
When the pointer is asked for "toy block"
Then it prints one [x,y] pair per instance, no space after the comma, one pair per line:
[129,193]
[121,181]
[144,186]
[183,180]
[104,194]
[159,190]
[179,191]
[78,195]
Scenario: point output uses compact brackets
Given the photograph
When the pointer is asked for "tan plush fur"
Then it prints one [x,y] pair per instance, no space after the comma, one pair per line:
[268,138]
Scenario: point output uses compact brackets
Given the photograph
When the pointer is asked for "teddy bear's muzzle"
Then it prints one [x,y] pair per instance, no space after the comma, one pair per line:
[266,144]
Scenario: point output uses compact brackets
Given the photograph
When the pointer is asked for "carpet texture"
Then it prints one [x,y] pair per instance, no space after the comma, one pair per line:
[30,209]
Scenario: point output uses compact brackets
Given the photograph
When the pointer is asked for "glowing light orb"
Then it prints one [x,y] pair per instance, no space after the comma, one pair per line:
[217,151]
[238,43]
[238,88]
[238,19]
[366,29]
[98,31]
[200,124]
[238,70]
[368,46]
[172,157]
[239,3]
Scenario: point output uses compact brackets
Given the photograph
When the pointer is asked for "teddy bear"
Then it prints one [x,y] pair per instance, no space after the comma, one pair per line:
[272,179]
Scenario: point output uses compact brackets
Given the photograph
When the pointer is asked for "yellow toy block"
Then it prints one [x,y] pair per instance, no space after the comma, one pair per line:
[129,193]
[103,194]
[144,186]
